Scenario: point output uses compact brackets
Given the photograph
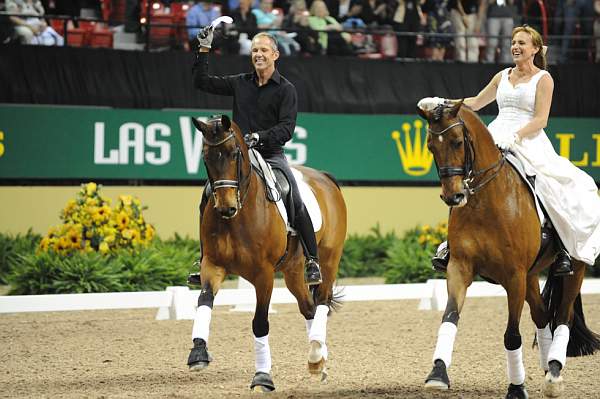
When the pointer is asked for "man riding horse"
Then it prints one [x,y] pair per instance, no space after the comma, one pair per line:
[264,107]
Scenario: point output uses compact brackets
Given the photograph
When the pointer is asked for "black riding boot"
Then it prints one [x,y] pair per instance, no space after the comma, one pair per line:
[194,278]
[312,270]
[441,258]
[562,264]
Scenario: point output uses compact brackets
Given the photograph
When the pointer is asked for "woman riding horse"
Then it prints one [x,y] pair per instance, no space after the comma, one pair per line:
[506,251]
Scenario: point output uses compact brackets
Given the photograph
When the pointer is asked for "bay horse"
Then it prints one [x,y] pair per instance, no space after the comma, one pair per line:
[494,231]
[243,234]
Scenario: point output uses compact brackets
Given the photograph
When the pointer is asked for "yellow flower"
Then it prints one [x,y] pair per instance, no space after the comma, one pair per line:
[122,220]
[149,232]
[91,202]
[127,234]
[136,237]
[426,227]
[104,248]
[126,200]
[90,188]
[74,238]
[62,244]
[45,244]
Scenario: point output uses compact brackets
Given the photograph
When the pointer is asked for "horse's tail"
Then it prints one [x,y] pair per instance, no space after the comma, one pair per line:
[332,178]
[334,302]
[582,340]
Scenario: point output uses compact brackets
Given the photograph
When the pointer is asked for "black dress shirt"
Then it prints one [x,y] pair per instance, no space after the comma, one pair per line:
[269,110]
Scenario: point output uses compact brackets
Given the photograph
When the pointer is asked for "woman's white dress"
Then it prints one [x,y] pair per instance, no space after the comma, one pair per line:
[569,194]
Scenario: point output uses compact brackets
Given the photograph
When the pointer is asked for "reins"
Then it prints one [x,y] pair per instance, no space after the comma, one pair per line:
[467,171]
[238,183]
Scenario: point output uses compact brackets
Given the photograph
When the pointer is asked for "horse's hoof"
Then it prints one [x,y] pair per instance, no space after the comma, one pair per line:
[262,383]
[199,357]
[316,361]
[436,385]
[198,366]
[438,378]
[517,392]
[553,386]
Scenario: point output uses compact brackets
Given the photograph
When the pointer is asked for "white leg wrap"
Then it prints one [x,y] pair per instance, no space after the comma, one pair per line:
[544,339]
[514,366]
[202,323]
[308,327]
[445,343]
[262,353]
[558,349]
[318,329]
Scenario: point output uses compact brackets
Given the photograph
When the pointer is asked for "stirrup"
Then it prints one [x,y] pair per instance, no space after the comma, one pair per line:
[562,265]
[440,260]
[194,278]
[312,272]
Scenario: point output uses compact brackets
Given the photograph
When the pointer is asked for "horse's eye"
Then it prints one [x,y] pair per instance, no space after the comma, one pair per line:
[457,144]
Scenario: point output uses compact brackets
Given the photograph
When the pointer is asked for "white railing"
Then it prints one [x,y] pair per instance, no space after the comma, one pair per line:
[179,303]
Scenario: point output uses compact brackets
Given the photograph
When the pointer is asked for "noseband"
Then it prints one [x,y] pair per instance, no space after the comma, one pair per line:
[467,171]
[216,184]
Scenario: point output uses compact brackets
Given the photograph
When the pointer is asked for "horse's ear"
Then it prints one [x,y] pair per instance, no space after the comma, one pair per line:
[199,124]
[456,107]
[225,122]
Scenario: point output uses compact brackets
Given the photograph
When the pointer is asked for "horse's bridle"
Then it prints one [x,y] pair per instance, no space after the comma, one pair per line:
[238,183]
[467,171]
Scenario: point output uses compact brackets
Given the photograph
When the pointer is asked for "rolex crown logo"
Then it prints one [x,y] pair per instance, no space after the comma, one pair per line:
[414,154]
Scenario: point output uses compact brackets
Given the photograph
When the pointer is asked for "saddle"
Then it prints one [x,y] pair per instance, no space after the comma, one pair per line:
[548,233]
[278,190]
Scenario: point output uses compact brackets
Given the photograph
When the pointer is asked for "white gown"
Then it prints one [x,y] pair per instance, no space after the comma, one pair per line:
[569,194]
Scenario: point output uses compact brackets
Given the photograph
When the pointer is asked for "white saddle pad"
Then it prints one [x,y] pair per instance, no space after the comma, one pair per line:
[514,161]
[306,193]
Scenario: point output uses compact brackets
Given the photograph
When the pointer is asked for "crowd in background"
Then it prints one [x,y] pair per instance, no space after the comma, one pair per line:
[463,30]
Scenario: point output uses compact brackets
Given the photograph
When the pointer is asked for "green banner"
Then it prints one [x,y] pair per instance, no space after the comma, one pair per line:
[38,142]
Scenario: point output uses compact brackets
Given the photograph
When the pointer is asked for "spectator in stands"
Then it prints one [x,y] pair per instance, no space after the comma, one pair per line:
[373,12]
[573,12]
[438,22]
[7,30]
[268,18]
[297,21]
[32,29]
[342,10]
[200,15]
[466,17]
[406,16]
[501,16]
[230,5]
[597,29]
[265,17]
[245,21]
[331,38]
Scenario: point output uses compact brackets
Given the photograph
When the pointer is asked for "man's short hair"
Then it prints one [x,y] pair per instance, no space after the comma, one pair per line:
[270,37]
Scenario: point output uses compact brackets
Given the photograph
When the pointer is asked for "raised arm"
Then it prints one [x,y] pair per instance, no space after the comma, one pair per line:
[485,96]
[222,85]
[543,102]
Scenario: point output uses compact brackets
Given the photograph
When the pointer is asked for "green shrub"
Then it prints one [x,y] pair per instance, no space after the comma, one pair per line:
[13,246]
[409,259]
[366,255]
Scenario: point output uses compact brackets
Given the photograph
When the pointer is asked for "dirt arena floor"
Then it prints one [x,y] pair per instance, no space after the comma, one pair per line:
[377,350]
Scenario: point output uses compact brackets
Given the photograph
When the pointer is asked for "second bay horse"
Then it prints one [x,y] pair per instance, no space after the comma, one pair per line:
[494,231]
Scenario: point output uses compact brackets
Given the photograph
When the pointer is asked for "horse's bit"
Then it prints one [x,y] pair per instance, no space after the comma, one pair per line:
[216,184]
[467,170]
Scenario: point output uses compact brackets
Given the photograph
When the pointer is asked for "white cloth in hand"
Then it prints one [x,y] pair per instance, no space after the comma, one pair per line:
[506,141]
[205,36]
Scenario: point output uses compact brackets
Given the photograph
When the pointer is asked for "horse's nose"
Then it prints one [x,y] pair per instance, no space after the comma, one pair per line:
[454,199]
[228,212]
